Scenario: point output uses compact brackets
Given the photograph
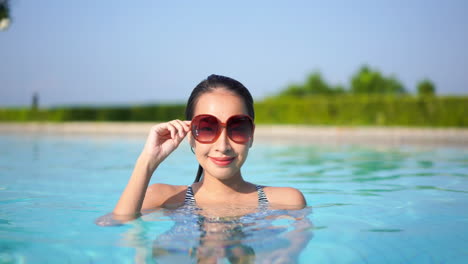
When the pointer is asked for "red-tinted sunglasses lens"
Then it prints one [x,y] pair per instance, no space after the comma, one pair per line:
[205,128]
[240,129]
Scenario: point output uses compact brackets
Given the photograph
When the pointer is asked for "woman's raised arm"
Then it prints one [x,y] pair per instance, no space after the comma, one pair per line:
[162,140]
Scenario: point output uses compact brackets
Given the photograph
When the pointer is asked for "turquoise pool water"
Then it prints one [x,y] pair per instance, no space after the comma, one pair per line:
[369,204]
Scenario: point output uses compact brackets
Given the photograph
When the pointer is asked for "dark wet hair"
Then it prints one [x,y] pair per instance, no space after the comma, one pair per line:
[210,84]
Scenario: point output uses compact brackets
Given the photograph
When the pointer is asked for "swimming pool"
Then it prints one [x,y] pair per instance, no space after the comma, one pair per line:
[395,204]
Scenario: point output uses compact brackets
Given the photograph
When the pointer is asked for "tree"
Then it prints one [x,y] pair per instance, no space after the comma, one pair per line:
[4,14]
[368,81]
[316,85]
[338,89]
[293,90]
[425,88]
[313,85]
[393,86]
[35,102]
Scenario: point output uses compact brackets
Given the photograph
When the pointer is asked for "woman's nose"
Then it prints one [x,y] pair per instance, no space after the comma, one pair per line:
[223,144]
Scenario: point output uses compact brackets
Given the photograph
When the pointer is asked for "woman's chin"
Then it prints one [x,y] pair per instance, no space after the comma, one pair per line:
[224,173]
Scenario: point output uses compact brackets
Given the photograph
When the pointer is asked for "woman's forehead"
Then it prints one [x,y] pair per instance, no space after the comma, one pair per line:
[220,103]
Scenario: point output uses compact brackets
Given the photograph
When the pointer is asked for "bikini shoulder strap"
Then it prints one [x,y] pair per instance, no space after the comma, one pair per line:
[262,199]
[189,197]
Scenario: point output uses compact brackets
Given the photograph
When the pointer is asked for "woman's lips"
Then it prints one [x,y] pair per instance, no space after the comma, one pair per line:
[223,161]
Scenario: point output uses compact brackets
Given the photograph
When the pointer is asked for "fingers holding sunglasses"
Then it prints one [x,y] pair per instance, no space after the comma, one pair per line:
[163,139]
[162,133]
[179,128]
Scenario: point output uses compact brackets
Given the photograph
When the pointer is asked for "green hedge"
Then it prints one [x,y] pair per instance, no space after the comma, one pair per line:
[130,113]
[346,110]
[365,110]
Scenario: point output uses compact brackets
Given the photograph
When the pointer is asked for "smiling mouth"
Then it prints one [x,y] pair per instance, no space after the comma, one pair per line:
[222,161]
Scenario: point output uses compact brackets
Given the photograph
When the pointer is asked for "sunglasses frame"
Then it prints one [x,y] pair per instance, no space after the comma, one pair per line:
[221,125]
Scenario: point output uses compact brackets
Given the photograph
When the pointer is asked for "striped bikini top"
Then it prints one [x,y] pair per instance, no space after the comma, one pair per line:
[262,199]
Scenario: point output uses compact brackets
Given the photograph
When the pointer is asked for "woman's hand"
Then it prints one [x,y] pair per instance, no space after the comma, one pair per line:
[163,139]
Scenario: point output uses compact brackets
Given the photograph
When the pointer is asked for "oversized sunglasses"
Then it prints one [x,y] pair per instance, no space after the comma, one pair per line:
[207,128]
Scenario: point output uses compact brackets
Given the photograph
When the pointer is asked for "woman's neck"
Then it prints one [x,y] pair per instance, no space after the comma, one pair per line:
[233,185]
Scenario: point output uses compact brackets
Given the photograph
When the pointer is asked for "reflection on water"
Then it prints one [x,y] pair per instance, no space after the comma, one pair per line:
[263,236]
[374,205]
[386,169]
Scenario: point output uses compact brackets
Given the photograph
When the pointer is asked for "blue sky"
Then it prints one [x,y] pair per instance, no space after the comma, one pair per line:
[132,52]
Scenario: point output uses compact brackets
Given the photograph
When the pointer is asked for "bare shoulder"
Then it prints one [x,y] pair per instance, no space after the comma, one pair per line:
[162,195]
[285,197]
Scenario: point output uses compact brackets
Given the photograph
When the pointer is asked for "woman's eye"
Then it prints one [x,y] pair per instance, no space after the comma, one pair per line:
[237,129]
[206,129]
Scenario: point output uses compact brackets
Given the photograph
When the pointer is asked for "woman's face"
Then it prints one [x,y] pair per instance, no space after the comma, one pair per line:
[223,158]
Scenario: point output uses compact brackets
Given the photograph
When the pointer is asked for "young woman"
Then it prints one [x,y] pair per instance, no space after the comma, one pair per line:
[220,133]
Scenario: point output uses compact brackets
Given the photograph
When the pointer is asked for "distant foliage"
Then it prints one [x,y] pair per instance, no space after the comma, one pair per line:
[294,90]
[4,10]
[365,81]
[4,15]
[372,99]
[369,81]
[314,85]
[149,113]
[346,110]
[364,110]
[426,88]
